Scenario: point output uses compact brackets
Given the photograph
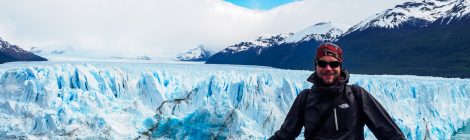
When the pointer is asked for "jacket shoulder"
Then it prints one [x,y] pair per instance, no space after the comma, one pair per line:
[356,89]
[304,93]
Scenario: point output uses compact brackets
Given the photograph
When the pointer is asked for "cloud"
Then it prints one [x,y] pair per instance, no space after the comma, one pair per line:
[162,28]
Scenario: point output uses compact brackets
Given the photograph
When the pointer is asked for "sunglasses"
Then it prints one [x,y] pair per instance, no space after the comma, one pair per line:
[333,64]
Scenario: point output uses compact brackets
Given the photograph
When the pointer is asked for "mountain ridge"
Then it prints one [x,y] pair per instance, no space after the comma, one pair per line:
[411,44]
[10,53]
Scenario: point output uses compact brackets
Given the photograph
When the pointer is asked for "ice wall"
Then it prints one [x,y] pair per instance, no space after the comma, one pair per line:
[176,101]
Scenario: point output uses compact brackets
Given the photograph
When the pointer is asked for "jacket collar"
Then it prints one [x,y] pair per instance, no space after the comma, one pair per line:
[331,90]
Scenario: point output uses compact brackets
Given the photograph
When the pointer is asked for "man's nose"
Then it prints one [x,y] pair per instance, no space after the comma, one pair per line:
[327,67]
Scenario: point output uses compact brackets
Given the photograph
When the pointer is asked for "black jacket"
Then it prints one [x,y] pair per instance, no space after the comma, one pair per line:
[347,119]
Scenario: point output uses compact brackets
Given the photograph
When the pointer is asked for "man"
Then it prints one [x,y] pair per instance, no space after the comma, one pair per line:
[331,109]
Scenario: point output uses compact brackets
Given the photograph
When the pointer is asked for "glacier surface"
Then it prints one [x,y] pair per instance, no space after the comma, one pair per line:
[198,101]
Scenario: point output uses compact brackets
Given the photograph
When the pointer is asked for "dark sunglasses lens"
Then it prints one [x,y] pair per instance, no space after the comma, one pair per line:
[335,64]
[322,63]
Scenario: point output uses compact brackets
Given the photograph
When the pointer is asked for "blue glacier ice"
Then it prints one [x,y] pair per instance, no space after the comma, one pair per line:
[123,100]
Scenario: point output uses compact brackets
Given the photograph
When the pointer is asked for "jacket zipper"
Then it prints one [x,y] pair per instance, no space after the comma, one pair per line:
[336,119]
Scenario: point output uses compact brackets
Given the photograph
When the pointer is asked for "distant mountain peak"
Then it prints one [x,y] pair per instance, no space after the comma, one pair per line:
[260,42]
[200,53]
[322,32]
[9,53]
[5,46]
[267,40]
[418,13]
[35,50]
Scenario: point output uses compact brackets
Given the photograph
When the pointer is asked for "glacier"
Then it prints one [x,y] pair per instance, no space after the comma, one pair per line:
[121,100]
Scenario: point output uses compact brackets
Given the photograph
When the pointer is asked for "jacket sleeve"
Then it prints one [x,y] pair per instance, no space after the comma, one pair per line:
[294,121]
[378,120]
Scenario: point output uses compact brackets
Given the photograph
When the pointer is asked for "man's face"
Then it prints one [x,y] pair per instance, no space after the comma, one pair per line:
[328,74]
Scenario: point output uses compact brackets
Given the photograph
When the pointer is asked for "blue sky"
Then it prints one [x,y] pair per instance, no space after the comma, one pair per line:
[260,4]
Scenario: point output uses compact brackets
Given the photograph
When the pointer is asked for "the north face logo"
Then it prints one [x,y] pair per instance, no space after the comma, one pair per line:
[345,105]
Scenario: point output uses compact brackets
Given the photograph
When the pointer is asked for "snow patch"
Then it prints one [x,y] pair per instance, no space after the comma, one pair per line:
[426,11]
[323,32]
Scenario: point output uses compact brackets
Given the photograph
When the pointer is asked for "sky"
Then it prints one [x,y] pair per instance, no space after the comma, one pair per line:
[260,4]
[165,28]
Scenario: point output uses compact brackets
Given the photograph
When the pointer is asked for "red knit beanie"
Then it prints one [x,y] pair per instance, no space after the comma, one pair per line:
[329,49]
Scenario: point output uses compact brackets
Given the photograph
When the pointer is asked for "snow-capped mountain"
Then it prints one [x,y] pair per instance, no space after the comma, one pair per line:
[35,50]
[418,13]
[54,51]
[281,50]
[322,32]
[13,49]
[259,43]
[424,30]
[200,53]
[97,100]
[9,53]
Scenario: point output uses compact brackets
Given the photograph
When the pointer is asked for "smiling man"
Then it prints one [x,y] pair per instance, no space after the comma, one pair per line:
[331,109]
